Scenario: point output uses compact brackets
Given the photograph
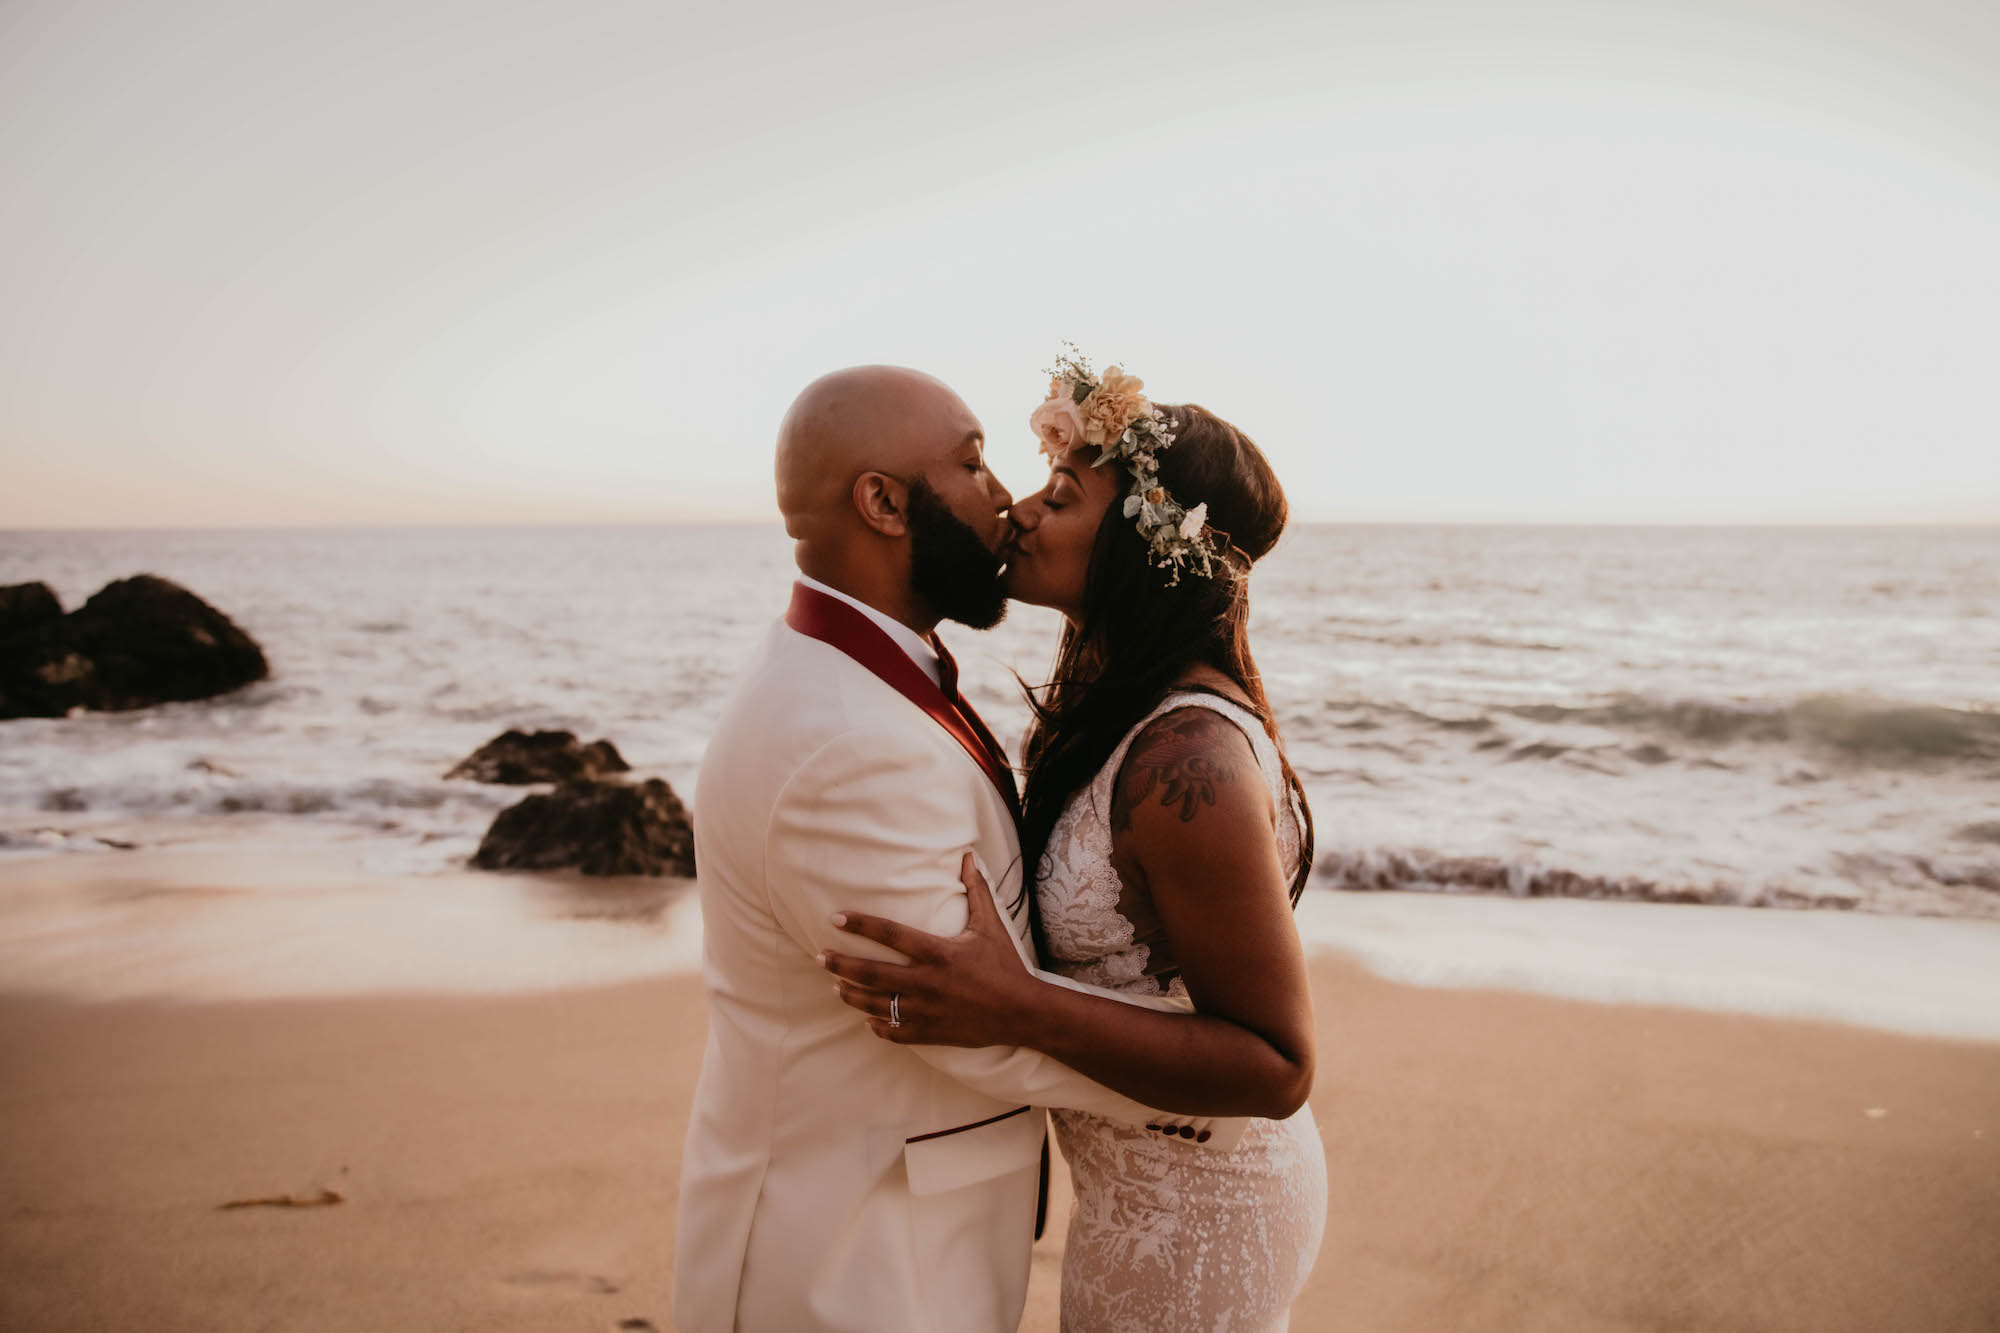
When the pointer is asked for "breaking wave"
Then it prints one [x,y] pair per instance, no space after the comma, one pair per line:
[369,797]
[1859,727]
[1378,870]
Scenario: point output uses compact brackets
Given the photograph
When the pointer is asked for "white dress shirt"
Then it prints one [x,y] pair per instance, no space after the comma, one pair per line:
[906,638]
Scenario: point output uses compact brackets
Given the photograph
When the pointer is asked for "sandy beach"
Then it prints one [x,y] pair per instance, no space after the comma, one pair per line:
[1498,1161]
[1573,426]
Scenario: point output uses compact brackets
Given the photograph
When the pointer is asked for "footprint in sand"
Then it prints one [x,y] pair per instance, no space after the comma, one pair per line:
[548,1277]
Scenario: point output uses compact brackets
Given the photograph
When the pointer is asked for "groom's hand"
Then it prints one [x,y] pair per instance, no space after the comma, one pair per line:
[969,989]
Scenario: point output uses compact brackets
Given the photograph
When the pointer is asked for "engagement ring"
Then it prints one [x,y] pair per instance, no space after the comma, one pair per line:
[896,1010]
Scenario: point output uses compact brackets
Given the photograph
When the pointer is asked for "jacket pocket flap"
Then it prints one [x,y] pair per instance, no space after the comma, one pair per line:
[950,1159]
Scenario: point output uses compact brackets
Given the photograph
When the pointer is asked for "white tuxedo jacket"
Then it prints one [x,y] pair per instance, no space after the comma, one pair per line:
[832,1180]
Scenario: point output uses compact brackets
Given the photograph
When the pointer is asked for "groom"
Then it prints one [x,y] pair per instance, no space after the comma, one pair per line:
[832,1180]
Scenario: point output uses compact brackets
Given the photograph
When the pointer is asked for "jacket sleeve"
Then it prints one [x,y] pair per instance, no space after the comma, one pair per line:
[867,824]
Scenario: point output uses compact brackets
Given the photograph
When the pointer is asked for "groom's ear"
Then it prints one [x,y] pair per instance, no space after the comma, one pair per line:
[883,503]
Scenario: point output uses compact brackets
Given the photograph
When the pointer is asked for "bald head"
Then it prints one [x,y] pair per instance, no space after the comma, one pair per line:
[863,419]
[883,482]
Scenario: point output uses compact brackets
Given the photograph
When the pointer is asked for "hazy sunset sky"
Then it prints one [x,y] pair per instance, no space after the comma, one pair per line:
[487,262]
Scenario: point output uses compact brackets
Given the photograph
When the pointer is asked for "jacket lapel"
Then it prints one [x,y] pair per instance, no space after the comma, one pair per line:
[833,622]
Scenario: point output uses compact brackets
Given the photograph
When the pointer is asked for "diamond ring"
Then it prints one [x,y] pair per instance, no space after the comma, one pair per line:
[896,1010]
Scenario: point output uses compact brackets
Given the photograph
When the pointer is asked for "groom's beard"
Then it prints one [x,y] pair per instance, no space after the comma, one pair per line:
[950,566]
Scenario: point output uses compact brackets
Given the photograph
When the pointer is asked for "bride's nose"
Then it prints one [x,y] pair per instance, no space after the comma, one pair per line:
[1025,514]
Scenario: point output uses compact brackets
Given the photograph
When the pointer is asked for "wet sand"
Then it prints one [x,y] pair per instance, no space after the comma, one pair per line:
[1498,1161]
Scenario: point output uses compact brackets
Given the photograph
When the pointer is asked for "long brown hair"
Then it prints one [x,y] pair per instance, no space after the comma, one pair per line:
[1139,633]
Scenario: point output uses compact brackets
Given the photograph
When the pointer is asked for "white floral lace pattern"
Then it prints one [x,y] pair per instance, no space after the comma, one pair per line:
[1165,1236]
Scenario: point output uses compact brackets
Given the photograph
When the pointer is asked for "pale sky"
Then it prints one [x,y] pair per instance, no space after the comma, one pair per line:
[438,262]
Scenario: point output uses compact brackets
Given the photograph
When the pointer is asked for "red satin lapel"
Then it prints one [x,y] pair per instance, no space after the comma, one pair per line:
[833,622]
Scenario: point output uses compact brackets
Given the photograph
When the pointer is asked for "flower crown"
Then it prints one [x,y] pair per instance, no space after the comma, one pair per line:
[1111,414]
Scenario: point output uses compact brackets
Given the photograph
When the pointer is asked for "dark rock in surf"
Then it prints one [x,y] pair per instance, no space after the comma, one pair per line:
[137,642]
[516,758]
[23,606]
[598,827]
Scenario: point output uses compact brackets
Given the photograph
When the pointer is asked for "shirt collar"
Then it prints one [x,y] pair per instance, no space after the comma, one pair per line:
[906,638]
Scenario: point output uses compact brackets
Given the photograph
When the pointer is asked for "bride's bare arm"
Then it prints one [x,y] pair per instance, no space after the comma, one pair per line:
[1193,821]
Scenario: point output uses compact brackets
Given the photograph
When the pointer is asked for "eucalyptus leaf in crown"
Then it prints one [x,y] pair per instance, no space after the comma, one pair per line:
[1111,414]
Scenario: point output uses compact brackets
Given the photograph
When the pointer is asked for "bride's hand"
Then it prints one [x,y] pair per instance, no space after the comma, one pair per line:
[970,989]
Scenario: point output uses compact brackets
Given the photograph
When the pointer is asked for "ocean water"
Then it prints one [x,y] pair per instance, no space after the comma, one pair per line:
[1794,718]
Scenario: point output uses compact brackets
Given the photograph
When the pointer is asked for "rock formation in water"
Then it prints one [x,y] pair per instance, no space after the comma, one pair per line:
[23,606]
[519,757]
[137,642]
[597,826]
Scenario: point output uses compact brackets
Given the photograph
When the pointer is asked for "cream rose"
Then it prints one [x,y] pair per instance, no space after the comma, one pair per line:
[1191,525]
[1057,424]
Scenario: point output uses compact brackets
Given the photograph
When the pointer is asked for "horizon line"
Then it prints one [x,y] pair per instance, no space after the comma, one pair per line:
[496,524]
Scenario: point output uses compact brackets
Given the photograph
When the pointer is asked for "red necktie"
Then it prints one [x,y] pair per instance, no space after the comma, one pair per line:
[948,684]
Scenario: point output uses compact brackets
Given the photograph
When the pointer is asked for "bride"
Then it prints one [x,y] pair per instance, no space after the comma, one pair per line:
[1170,839]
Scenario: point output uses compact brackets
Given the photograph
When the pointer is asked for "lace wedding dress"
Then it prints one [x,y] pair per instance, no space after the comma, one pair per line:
[1165,1236]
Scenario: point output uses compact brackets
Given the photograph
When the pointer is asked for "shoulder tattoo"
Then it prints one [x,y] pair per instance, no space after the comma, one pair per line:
[1181,759]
